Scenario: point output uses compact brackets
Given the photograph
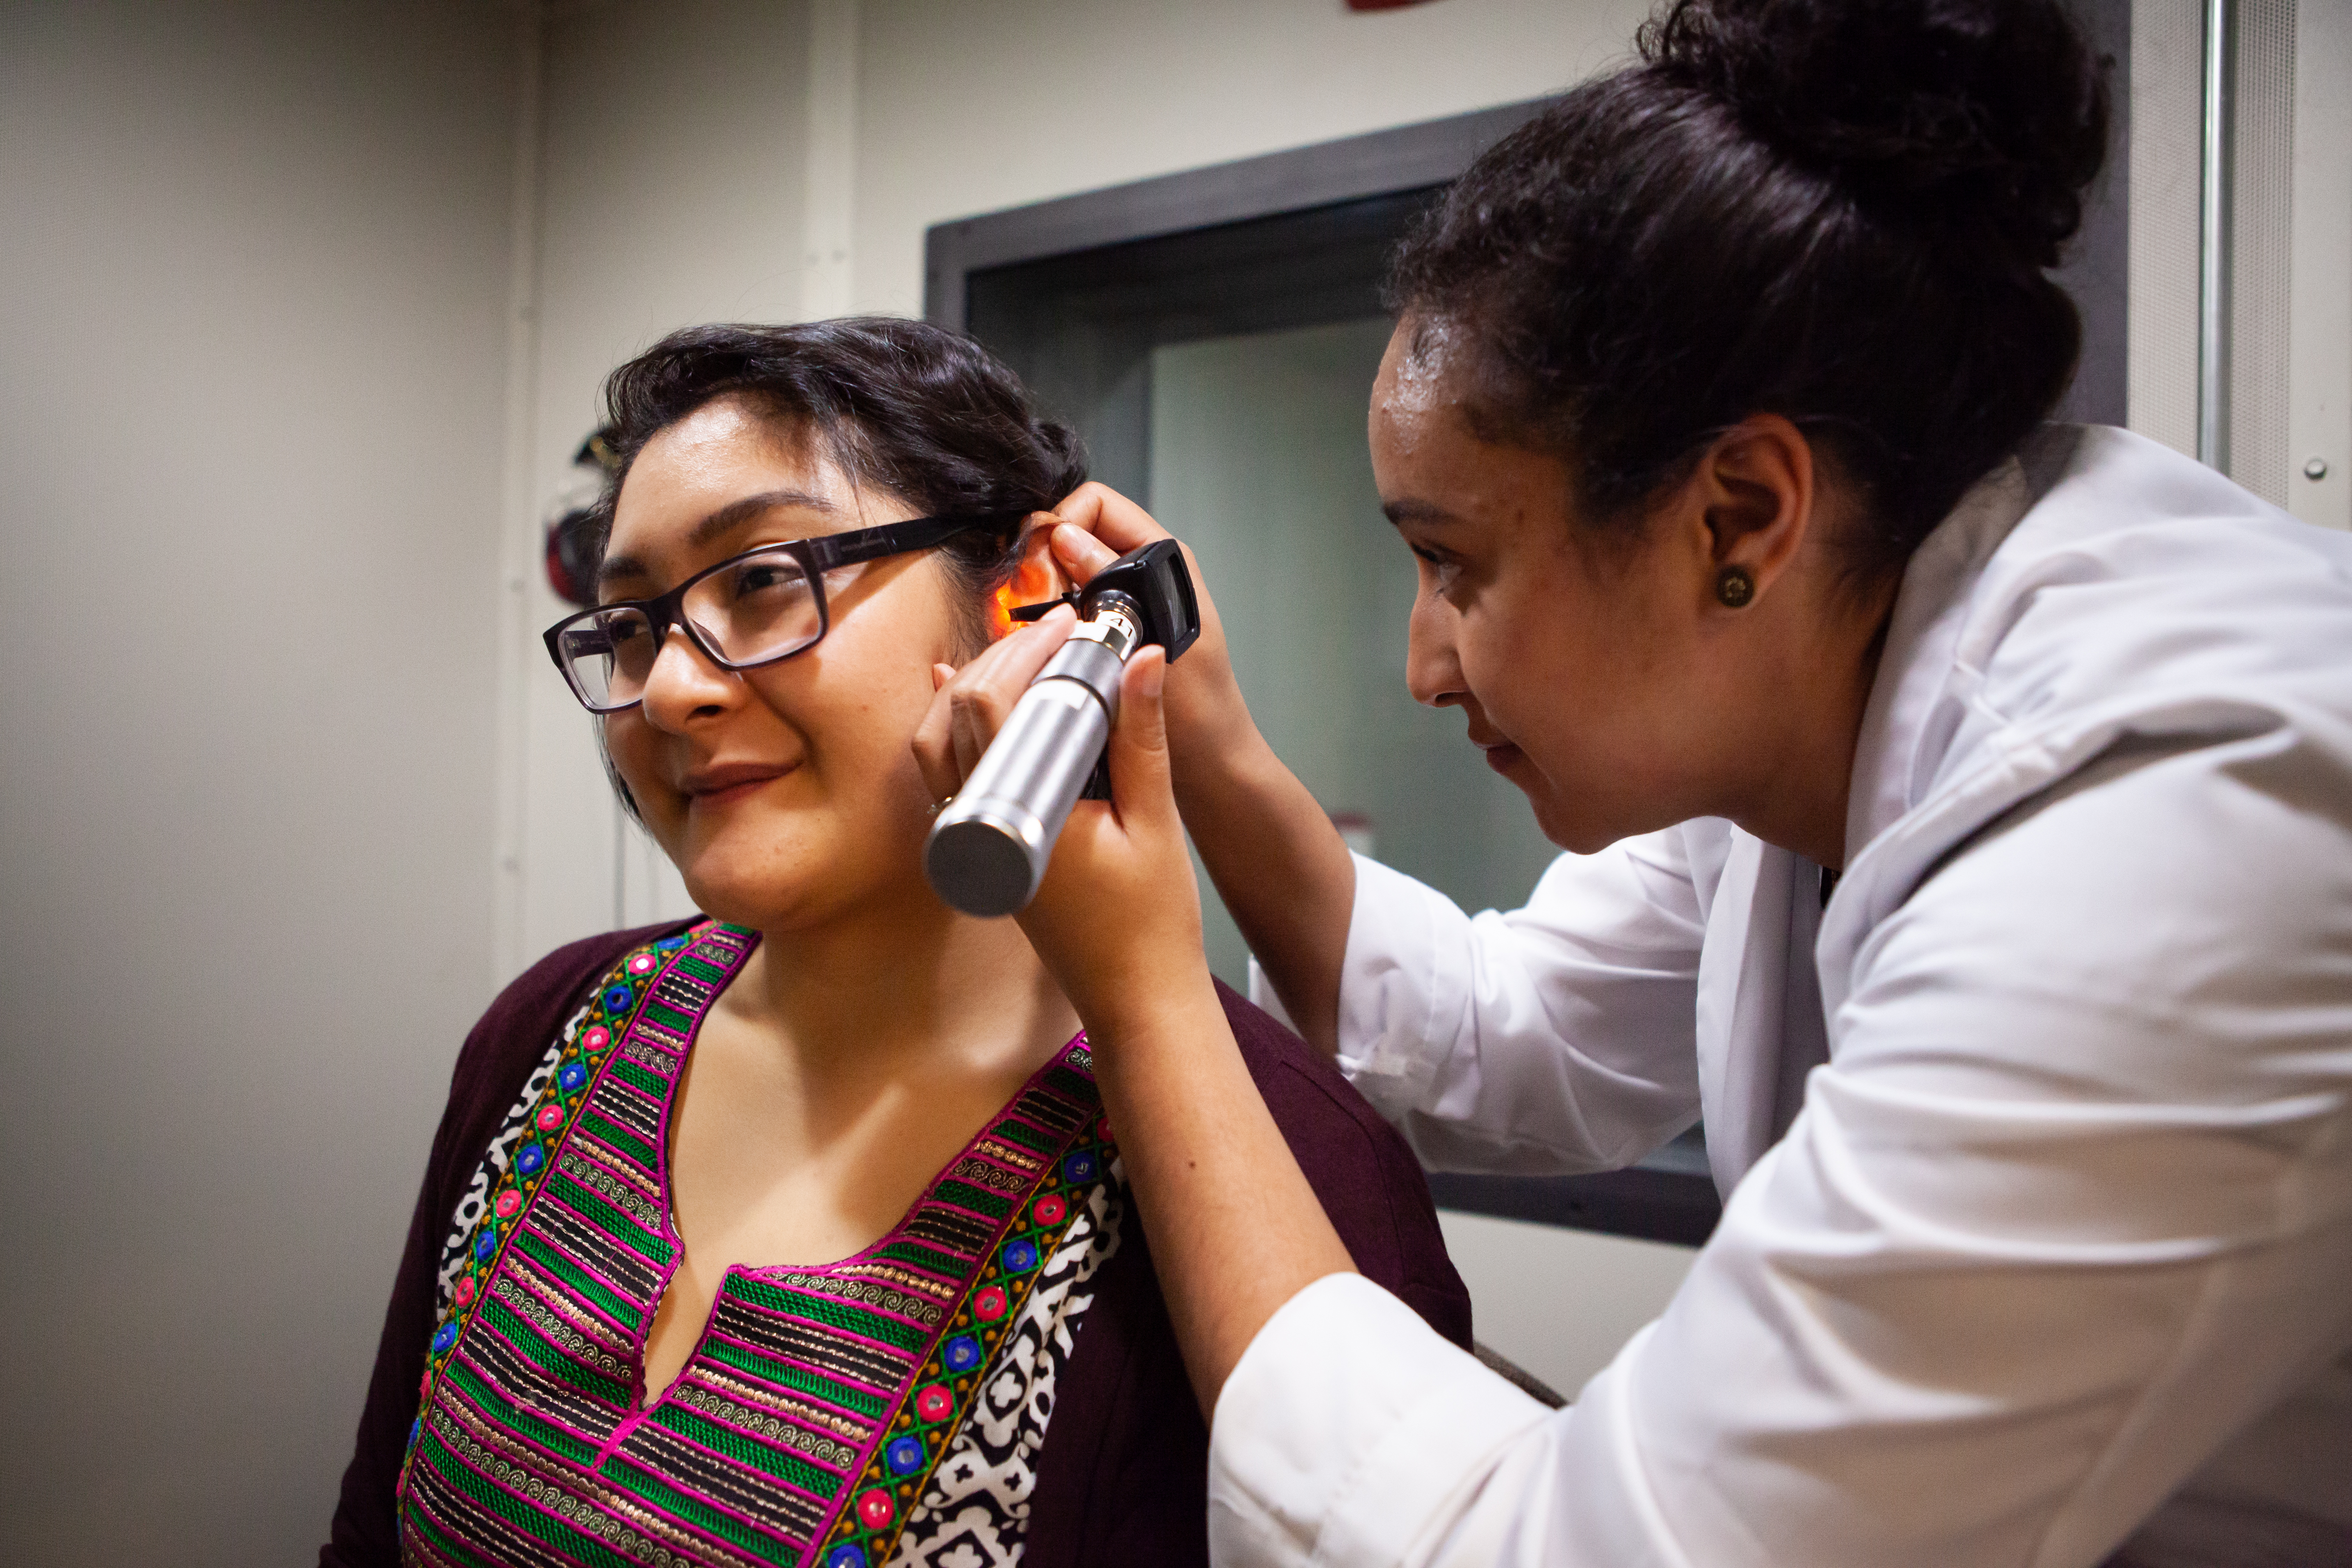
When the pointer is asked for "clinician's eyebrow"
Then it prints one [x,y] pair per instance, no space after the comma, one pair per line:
[1426,513]
[733,515]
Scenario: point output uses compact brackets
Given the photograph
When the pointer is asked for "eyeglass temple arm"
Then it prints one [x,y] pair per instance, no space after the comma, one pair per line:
[829,551]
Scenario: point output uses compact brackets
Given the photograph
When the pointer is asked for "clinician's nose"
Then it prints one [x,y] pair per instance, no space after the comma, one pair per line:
[684,684]
[1432,672]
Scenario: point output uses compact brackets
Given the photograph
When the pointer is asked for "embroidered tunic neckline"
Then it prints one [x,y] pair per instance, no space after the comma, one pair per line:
[817,1399]
[807,1276]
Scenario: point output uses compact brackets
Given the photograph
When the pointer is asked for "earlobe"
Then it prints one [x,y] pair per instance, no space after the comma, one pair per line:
[1758,481]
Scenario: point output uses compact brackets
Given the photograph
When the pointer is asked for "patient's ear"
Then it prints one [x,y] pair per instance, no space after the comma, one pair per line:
[1038,577]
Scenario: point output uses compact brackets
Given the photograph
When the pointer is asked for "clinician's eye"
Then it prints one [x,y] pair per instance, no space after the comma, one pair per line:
[1439,569]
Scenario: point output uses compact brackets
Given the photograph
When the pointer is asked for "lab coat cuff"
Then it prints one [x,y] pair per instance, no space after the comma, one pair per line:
[1351,1432]
[1401,952]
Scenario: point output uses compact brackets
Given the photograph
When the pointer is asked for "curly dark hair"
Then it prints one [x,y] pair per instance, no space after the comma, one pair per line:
[915,410]
[1838,211]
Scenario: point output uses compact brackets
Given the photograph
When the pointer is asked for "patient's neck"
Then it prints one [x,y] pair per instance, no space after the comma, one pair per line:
[902,987]
[849,1060]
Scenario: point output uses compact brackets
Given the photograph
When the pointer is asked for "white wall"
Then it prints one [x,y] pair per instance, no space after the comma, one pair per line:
[2166,65]
[965,106]
[251,294]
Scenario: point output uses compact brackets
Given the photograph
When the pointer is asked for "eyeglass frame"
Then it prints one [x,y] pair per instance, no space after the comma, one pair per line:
[817,555]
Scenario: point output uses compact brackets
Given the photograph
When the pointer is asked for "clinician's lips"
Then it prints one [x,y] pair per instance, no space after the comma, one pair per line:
[1500,754]
[726,781]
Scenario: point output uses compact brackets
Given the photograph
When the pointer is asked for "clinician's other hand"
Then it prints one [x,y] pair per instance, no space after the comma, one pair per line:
[1206,716]
[1117,918]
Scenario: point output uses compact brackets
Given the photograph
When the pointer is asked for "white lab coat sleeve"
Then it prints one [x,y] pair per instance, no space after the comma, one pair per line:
[2070,1208]
[1377,1461]
[1556,1037]
[1432,1461]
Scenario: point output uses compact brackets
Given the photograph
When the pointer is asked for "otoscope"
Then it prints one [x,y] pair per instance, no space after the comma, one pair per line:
[988,850]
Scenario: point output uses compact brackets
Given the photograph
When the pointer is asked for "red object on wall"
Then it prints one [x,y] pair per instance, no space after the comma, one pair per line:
[1383,4]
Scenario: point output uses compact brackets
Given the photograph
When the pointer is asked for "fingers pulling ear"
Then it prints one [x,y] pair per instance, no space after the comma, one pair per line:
[1039,576]
[1036,576]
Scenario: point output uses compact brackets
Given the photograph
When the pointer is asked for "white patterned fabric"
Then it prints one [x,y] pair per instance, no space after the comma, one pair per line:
[975,1512]
[468,1213]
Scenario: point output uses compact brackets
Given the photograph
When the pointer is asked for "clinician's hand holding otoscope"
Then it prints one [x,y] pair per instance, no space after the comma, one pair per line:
[1284,872]
[988,849]
[1234,1228]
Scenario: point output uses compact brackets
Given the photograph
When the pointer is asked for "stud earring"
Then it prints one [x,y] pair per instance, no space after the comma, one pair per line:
[1735,586]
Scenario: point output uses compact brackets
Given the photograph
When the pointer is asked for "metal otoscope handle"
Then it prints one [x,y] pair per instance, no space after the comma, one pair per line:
[988,850]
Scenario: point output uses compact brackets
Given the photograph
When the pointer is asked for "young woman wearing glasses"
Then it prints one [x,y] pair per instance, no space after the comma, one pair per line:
[797,1234]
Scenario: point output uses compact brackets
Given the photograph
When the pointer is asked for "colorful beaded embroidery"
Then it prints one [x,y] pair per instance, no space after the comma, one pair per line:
[819,1401]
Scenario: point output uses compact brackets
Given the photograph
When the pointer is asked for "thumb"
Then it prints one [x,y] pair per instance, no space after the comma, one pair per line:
[1140,781]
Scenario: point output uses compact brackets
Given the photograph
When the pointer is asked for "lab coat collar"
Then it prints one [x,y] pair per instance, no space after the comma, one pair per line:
[1766,912]
[1909,715]
[1916,705]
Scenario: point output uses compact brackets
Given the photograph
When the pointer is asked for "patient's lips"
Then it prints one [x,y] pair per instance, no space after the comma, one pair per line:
[721,783]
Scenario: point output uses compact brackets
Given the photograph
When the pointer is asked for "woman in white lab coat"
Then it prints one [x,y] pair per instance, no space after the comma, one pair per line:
[1962,809]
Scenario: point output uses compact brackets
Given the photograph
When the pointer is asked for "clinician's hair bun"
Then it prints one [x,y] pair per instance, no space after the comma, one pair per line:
[1990,114]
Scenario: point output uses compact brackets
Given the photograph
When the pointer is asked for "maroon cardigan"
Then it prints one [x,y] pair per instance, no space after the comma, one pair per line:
[1123,1477]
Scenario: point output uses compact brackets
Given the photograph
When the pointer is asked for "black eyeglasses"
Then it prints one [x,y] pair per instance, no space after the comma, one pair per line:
[750,609]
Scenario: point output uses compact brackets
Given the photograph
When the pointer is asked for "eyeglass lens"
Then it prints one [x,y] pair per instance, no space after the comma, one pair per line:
[750,610]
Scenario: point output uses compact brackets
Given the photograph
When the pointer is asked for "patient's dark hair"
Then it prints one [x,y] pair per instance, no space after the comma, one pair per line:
[922,413]
[1838,211]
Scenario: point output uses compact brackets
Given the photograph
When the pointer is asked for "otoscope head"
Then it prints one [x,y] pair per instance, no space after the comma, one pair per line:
[1154,582]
